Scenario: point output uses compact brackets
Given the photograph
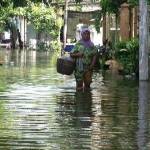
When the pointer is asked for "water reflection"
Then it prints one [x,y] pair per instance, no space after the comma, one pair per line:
[74,116]
[115,116]
[24,57]
[143,119]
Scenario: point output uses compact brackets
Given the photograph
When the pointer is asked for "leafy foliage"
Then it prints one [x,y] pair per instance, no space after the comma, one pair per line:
[126,52]
[43,18]
[133,2]
[5,17]
[24,3]
[55,45]
[97,16]
[111,6]
[4,3]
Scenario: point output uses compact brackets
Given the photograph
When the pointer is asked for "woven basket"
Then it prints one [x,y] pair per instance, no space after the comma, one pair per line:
[65,66]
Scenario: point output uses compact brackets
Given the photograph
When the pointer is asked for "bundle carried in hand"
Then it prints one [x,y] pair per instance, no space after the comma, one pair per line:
[65,65]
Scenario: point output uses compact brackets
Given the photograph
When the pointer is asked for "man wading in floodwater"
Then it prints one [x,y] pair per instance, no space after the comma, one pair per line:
[84,53]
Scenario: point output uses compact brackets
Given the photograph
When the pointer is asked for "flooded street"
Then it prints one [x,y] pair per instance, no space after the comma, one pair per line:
[41,110]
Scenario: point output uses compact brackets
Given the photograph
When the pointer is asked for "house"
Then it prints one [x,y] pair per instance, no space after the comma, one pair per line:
[75,22]
[83,17]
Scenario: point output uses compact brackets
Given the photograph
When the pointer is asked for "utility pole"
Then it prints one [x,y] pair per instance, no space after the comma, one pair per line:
[143,40]
[65,22]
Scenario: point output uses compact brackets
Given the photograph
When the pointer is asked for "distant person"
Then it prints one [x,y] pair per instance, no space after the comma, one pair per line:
[84,53]
[19,39]
[62,34]
[110,50]
[104,46]
[105,49]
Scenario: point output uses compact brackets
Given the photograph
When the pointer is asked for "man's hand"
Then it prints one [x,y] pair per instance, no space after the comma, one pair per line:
[77,55]
[91,67]
[93,63]
[80,55]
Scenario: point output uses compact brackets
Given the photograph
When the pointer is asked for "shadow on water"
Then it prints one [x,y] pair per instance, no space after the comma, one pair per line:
[41,110]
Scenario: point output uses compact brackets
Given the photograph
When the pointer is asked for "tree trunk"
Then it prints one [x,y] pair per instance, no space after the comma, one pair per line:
[104,27]
[116,31]
[135,21]
[143,40]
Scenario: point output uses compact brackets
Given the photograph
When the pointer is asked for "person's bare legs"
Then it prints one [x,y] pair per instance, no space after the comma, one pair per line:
[79,85]
[87,80]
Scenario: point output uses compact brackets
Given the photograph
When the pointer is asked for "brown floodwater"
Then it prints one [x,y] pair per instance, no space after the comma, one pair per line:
[41,110]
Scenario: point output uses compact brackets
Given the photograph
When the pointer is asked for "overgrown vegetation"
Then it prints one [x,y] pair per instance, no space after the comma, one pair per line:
[40,14]
[127,54]
[44,19]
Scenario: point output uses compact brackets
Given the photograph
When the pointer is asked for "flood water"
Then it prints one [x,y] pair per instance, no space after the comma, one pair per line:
[41,110]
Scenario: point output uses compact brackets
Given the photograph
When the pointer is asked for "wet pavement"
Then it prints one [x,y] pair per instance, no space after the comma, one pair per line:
[41,110]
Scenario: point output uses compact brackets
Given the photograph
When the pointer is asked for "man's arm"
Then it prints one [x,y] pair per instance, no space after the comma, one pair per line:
[93,62]
[76,51]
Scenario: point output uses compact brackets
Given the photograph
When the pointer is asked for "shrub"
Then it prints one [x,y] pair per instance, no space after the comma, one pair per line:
[126,52]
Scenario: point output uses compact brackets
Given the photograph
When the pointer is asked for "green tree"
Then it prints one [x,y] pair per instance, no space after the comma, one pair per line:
[39,12]
[43,18]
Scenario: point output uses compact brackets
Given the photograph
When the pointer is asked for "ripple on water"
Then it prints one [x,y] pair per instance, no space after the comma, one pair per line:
[41,110]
